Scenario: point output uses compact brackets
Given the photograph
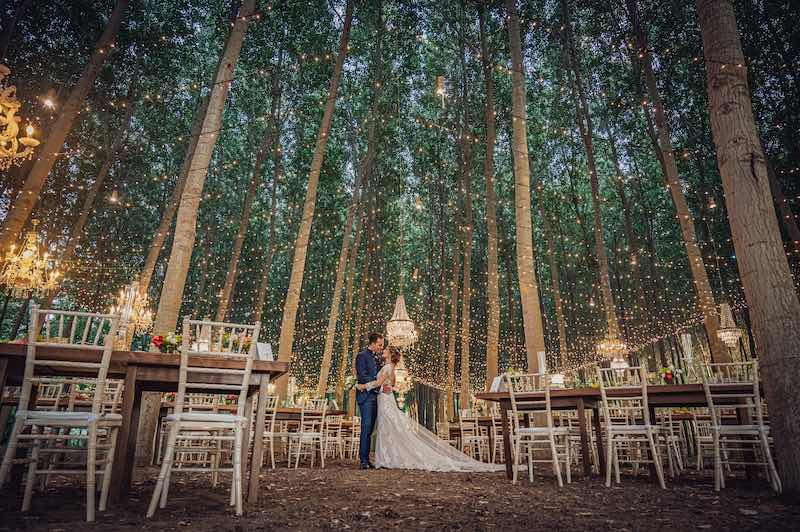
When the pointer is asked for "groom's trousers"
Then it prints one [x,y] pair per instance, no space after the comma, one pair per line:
[369,413]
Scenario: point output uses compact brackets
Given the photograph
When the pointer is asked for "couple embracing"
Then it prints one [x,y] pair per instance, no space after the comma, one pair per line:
[400,442]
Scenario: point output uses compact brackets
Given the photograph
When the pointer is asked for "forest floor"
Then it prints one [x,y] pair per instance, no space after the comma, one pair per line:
[341,497]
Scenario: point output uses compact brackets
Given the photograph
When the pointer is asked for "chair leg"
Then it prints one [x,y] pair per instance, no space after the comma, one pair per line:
[530,460]
[321,456]
[11,450]
[656,460]
[717,462]
[108,467]
[166,465]
[272,450]
[237,468]
[775,480]
[569,459]
[610,453]
[616,465]
[91,478]
[31,479]
[516,460]
[556,465]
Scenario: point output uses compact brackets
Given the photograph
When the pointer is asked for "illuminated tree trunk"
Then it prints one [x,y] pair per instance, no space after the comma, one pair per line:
[452,334]
[585,126]
[205,261]
[492,287]
[255,180]
[263,285]
[764,270]
[165,226]
[551,259]
[88,202]
[49,151]
[286,340]
[352,212]
[528,284]
[667,156]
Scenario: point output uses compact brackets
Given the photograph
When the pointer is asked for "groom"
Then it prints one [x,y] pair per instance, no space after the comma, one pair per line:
[368,363]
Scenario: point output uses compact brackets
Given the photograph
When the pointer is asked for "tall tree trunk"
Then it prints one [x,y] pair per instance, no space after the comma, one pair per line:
[286,340]
[255,180]
[47,153]
[10,27]
[76,232]
[764,270]
[784,211]
[169,304]
[664,146]
[465,163]
[492,287]
[205,262]
[551,259]
[528,284]
[584,119]
[452,334]
[164,227]
[353,211]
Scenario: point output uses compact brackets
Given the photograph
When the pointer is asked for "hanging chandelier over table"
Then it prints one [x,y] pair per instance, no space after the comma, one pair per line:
[133,309]
[728,331]
[27,271]
[613,349]
[400,330]
[9,126]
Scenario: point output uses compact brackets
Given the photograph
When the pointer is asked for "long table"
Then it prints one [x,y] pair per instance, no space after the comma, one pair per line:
[579,399]
[152,372]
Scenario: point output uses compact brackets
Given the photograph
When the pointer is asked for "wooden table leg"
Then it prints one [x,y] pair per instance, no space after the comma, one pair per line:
[598,438]
[125,461]
[506,439]
[258,441]
[585,454]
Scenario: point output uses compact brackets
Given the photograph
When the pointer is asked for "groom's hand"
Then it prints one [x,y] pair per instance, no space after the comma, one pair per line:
[386,389]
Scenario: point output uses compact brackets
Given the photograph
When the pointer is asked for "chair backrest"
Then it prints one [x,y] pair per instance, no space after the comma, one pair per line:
[271,411]
[518,385]
[333,425]
[624,395]
[67,329]
[312,415]
[204,346]
[733,387]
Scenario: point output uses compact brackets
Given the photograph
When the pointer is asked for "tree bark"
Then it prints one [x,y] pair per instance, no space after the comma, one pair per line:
[255,180]
[528,284]
[452,334]
[492,268]
[164,227]
[48,152]
[784,211]
[584,119]
[169,304]
[667,156]
[286,341]
[764,270]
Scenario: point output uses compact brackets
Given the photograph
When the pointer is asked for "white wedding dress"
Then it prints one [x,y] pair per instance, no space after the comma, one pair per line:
[402,443]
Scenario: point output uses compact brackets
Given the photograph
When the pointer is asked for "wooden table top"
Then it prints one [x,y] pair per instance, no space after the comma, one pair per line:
[156,366]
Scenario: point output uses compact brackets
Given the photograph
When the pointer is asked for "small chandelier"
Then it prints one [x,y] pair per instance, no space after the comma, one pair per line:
[133,309]
[440,91]
[611,348]
[400,330]
[727,331]
[9,126]
[27,271]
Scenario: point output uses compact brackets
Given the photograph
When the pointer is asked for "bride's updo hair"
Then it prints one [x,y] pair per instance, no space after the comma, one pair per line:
[394,354]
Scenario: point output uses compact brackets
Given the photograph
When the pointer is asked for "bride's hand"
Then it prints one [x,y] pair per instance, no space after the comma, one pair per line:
[386,389]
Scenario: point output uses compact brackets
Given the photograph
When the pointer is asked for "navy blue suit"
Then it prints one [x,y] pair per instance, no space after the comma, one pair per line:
[367,366]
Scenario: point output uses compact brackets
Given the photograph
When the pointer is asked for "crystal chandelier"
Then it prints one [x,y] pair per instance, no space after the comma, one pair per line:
[9,126]
[727,331]
[612,348]
[27,271]
[400,330]
[133,309]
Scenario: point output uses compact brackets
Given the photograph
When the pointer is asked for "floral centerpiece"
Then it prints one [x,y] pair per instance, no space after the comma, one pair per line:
[169,343]
[668,373]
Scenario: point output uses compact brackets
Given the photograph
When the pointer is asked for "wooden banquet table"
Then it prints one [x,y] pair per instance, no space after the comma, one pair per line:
[151,372]
[578,399]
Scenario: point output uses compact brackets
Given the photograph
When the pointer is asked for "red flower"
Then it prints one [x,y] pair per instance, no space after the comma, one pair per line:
[157,341]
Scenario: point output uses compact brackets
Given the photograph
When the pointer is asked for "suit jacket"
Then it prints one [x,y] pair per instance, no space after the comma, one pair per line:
[367,366]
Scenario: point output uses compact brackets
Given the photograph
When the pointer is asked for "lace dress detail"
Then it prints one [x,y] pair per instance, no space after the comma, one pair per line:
[402,443]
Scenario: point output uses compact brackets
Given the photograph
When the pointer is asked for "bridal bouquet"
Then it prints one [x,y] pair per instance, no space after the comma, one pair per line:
[349,382]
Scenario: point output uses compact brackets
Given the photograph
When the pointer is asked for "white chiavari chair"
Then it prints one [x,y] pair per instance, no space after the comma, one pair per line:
[474,441]
[43,432]
[334,441]
[310,436]
[735,386]
[271,426]
[528,439]
[204,345]
[353,437]
[627,420]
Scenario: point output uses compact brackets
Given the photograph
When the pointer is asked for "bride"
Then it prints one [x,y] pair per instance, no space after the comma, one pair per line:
[402,443]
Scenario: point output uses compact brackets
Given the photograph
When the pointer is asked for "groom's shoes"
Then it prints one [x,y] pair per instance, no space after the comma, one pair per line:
[366,466]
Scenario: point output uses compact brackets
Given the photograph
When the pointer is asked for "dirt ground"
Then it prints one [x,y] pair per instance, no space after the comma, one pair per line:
[340,497]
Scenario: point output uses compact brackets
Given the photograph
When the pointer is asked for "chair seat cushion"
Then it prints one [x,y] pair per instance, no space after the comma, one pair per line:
[55,417]
[213,417]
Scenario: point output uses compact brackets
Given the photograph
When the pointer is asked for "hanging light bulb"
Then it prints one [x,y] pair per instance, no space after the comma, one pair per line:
[114,198]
